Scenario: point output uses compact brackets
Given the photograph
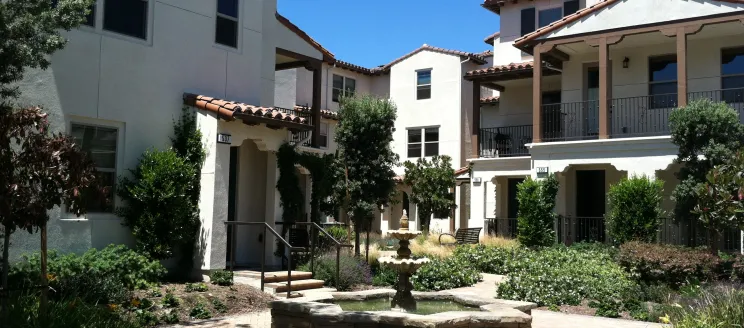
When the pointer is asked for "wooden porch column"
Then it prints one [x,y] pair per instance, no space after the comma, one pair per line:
[317,81]
[475,133]
[537,130]
[681,67]
[604,89]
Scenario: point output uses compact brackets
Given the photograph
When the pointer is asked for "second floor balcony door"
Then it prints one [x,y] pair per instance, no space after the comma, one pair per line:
[591,99]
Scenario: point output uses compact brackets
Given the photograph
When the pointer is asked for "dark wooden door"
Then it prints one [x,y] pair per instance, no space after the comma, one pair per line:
[590,205]
[512,204]
[231,194]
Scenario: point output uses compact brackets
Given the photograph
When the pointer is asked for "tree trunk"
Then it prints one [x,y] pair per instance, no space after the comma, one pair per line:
[366,251]
[44,280]
[357,248]
[6,269]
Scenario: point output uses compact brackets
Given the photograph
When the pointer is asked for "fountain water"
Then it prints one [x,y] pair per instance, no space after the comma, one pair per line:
[405,266]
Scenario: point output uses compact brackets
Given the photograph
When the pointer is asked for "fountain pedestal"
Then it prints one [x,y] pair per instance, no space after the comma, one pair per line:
[405,266]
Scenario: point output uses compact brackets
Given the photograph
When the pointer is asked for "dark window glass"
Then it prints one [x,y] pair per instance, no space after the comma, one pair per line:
[228,7]
[128,17]
[432,149]
[414,136]
[414,150]
[732,69]
[423,84]
[349,87]
[423,77]
[662,69]
[414,143]
[431,135]
[662,87]
[551,97]
[338,87]
[732,61]
[548,16]
[323,137]
[90,18]
[528,21]
[100,145]
[570,7]
[423,92]
[592,78]
[733,89]
[226,32]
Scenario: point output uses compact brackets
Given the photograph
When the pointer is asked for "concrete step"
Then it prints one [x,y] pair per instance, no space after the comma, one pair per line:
[277,276]
[281,287]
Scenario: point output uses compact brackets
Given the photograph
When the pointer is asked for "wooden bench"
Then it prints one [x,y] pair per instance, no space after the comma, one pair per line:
[463,236]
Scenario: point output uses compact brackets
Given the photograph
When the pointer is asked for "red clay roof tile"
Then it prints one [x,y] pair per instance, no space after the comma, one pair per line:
[228,109]
[489,39]
[490,100]
[503,68]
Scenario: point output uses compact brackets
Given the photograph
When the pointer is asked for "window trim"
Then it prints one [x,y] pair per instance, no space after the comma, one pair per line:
[651,103]
[423,142]
[342,91]
[325,133]
[430,70]
[100,19]
[238,20]
[562,6]
[118,164]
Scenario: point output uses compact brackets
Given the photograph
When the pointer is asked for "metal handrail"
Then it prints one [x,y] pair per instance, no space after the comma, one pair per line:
[263,254]
[314,227]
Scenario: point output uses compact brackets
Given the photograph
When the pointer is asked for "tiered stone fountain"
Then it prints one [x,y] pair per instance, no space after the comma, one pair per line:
[405,266]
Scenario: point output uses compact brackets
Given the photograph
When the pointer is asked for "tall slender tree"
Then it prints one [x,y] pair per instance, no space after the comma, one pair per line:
[364,135]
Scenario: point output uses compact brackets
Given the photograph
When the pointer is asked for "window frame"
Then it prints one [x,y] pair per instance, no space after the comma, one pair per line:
[538,12]
[87,122]
[652,104]
[342,90]
[422,143]
[324,132]
[237,21]
[737,99]
[101,20]
[424,86]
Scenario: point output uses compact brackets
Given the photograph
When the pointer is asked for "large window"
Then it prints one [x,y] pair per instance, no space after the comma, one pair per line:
[528,21]
[547,16]
[423,84]
[100,144]
[226,31]
[323,137]
[128,17]
[428,145]
[732,75]
[662,81]
[343,86]
[531,19]
[570,7]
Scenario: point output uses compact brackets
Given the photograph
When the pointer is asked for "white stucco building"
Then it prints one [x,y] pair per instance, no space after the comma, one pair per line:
[596,107]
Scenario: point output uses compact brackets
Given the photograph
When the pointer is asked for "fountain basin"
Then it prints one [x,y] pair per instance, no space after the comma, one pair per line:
[459,310]
[403,265]
[403,234]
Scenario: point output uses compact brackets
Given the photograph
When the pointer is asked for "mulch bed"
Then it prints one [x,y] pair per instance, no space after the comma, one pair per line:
[583,309]
[237,299]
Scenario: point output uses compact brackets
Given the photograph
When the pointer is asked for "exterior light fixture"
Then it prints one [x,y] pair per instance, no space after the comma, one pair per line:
[626,62]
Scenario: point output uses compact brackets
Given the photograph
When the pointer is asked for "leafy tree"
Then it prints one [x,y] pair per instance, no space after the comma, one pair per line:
[707,134]
[40,170]
[635,209]
[535,218]
[364,135]
[721,199]
[430,186]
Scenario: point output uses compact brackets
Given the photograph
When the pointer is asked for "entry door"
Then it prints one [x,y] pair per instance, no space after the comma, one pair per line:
[552,118]
[591,97]
[512,204]
[590,205]
[231,194]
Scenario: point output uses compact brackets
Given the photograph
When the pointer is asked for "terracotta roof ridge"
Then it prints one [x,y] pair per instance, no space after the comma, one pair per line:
[489,39]
[563,21]
[477,57]
[226,109]
[491,99]
[303,35]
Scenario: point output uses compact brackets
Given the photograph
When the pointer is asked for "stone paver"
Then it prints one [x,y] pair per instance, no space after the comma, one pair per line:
[547,319]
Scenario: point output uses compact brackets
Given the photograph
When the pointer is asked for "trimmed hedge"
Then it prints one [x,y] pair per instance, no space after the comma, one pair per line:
[668,264]
[635,209]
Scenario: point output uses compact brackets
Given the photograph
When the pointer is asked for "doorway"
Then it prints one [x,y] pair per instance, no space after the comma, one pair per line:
[231,195]
[552,117]
[512,205]
[591,97]
[590,205]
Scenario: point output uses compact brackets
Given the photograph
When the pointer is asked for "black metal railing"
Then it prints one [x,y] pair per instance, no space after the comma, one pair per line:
[303,112]
[502,227]
[732,97]
[693,233]
[641,116]
[505,141]
[580,229]
[570,121]
[301,138]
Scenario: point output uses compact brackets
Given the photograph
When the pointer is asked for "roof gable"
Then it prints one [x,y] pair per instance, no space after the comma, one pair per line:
[478,58]
[617,14]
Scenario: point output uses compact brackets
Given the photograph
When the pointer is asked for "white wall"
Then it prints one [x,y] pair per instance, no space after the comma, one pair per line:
[305,85]
[285,94]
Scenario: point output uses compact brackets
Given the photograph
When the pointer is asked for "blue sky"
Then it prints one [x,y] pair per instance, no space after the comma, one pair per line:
[374,32]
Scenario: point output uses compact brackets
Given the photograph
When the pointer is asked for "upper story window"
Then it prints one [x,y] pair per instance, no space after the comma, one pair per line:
[662,81]
[732,75]
[423,84]
[128,17]
[429,145]
[570,7]
[226,30]
[532,19]
[343,86]
[90,18]
[100,143]
[527,25]
[547,16]
[323,137]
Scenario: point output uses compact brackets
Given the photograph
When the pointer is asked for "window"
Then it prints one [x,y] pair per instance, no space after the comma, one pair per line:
[662,81]
[570,7]
[226,31]
[100,144]
[547,16]
[128,17]
[732,75]
[323,137]
[423,84]
[528,21]
[343,86]
[429,144]
[90,18]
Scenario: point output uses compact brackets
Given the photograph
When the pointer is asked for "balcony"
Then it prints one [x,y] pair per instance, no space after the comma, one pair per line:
[505,141]
[299,136]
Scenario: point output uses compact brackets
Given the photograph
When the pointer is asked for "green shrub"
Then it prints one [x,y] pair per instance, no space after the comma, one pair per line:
[23,311]
[352,271]
[441,274]
[535,217]
[146,318]
[384,276]
[159,209]
[668,264]
[219,306]
[737,269]
[487,259]
[221,277]
[170,317]
[635,209]
[561,275]
[170,300]
[715,307]
[196,287]
[200,311]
